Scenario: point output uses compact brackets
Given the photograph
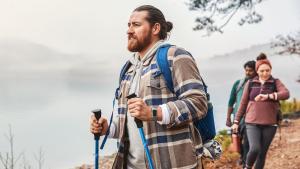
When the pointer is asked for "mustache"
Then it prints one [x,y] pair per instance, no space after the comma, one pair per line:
[131,36]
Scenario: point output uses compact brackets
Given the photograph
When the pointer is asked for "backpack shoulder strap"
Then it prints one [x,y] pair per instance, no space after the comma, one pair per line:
[240,85]
[163,64]
[124,69]
[274,85]
[121,77]
[205,89]
[250,85]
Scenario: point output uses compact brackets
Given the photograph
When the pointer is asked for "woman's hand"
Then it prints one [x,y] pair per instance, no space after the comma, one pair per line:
[261,97]
[235,128]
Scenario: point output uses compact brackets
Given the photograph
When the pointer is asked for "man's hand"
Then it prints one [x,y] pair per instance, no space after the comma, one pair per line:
[139,109]
[98,126]
[228,122]
[261,97]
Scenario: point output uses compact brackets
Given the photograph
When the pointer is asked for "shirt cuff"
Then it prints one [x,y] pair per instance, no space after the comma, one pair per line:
[165,114]
[236,122]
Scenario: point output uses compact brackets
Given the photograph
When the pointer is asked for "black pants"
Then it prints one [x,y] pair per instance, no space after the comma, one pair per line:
[244,143]
[260,138]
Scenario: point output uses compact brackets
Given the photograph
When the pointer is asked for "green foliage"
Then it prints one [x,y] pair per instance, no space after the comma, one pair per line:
[223,132]
[290,106]
[223,138]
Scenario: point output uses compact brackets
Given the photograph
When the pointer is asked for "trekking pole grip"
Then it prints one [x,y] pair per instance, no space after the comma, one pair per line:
[138,122]
[97,113]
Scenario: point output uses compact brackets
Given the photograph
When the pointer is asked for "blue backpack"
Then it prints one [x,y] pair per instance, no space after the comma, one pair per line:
[206,125]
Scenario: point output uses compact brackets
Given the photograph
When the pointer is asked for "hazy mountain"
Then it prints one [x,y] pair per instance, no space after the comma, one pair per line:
[24,55]
[23,59]
[28,67]
[35,73]
[223,70]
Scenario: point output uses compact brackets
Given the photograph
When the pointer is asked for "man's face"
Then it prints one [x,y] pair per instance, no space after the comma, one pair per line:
[139,32]
[249,72]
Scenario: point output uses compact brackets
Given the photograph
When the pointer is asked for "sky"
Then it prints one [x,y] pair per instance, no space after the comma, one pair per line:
[98,28]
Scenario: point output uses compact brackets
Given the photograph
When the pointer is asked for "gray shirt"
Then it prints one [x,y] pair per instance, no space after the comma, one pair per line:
[136,155]
[136,158]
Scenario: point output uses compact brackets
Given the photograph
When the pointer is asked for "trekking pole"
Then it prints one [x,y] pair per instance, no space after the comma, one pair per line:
[139,125]
[97,114]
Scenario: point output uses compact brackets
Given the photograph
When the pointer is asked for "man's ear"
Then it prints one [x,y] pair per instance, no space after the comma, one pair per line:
[156,29]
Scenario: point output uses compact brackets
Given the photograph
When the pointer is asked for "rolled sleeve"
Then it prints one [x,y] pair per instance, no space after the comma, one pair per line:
[165,114]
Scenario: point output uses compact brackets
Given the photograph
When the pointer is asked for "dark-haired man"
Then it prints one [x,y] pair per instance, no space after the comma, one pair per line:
[167,117]
[233,105]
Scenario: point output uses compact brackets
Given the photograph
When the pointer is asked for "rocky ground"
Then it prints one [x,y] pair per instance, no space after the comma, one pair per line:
[284,152]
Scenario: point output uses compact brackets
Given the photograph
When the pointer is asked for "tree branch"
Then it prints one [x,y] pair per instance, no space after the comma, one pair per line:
[222,26]
[212,12]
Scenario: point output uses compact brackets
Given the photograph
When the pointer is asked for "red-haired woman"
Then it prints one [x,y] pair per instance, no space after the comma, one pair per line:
[260,105]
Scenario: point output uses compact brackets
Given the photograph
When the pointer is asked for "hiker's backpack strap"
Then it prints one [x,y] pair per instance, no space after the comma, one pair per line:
[123,71]
[250,86]
[274,85]
[240,85]
[121,77]
[205,126]
[205,89]
[163,64]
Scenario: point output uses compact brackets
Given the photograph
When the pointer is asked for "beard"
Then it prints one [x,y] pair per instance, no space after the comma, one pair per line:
[137,45]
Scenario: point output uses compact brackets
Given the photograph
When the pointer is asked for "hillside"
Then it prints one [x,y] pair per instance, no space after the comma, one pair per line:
[284,152]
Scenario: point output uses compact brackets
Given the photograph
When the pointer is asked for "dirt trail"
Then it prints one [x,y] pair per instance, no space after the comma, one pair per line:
[284,152]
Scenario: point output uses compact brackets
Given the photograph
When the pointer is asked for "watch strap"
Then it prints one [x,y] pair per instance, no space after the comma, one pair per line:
[154,114]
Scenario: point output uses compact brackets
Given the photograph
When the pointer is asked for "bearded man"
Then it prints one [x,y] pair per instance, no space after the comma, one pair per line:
[167,116]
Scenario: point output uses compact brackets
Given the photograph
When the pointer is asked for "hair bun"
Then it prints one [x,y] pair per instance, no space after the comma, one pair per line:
[261,56]
[169,26]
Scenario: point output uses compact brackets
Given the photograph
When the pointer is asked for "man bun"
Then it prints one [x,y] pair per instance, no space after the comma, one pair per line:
[261,56]
[169,26]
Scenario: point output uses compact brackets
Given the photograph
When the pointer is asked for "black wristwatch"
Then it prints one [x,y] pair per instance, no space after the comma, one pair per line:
[154,114]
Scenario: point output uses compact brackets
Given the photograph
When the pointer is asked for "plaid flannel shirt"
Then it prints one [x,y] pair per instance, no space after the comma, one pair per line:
[178,144]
